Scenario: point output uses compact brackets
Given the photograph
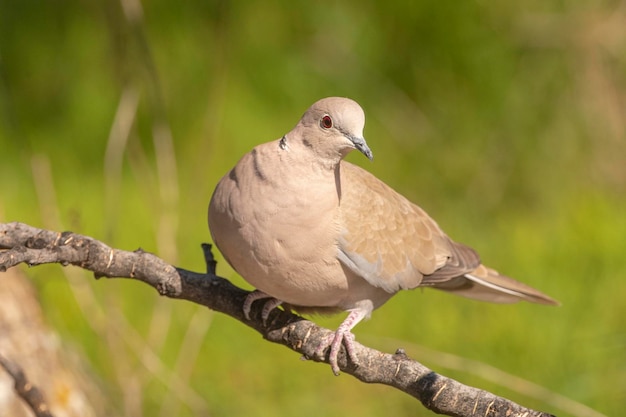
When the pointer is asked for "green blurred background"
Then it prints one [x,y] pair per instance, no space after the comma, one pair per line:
[505,121]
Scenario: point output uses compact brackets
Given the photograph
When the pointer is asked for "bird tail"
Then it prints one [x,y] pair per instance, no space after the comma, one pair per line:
[486,284]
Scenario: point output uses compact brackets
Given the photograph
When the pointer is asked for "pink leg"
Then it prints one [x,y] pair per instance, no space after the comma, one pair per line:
[343,334]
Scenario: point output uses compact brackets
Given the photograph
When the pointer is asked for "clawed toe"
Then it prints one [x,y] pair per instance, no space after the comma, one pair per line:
[270,305]
[334,341]
[345,336]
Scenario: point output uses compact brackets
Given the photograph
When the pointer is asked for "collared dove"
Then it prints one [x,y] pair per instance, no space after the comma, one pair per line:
[322,235]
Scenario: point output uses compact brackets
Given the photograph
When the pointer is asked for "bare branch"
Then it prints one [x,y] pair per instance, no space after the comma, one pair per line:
[26,244]
[26,390]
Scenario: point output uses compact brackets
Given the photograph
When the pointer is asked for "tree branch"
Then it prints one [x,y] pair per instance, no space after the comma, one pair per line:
[21,243]
[27,391]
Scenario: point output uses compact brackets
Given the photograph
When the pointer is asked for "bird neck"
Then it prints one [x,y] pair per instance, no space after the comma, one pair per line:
[310,152]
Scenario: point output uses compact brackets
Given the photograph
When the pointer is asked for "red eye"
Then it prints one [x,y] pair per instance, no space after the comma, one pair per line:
[326,122]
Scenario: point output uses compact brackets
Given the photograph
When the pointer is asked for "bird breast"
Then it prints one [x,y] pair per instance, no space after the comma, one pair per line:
[278,227]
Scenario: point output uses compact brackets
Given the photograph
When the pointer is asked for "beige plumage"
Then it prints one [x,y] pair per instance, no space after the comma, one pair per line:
[320,234]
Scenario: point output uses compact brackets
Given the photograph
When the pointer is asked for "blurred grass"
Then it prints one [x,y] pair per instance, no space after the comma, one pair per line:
[504,121]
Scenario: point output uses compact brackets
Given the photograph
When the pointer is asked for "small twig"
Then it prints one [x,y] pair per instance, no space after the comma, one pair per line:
[27,244]
[27,391]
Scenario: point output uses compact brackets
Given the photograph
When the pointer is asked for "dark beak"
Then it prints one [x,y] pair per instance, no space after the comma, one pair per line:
[359,143]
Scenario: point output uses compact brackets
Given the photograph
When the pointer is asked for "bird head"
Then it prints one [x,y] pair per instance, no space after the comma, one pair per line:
[332,127]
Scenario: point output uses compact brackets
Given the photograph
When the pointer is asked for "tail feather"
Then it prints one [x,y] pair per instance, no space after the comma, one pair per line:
[487,284]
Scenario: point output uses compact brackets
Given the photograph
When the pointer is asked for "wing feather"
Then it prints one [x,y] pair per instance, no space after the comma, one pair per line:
[391,242]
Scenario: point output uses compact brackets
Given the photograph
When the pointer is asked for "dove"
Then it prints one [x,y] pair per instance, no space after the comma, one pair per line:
[321,235]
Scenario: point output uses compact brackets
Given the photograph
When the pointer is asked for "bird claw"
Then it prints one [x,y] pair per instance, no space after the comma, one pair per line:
[343,335]
[270,305]
[334,341]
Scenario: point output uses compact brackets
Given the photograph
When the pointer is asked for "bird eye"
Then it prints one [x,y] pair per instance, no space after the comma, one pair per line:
[326,122]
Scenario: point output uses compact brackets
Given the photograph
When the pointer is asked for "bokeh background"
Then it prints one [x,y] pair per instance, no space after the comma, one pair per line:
[505,120]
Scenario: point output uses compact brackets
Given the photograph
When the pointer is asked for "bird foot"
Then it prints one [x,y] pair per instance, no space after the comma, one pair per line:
[343,335]
[334,341]
[270,305]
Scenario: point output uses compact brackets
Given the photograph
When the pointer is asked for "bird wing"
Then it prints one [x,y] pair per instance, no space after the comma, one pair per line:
[391,242]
